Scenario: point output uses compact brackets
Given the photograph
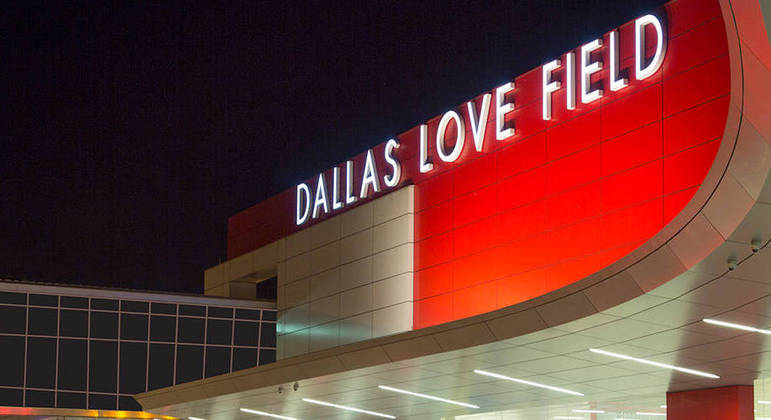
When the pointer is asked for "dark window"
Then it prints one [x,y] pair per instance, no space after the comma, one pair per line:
[73,356]
[191,330]
[267,356]
[133,366]
[247,314]
[266,289]
[134,306]
[215,312]
[129,404]
[13,298]
[104,304]
[41,362]
[74,302]
[217,360]
[244,358]
[268,335]
[44,300]
[73,323]
[219,331]
[12,361]
[164,308]
[133,327]
[102,402]
[14,319]
[40,399]
[103,366]
[245,333]
[161,367]
[42,321]
[189,363]
[11,397]
[104,325]
[163,328]
[268,315]
[71,400]
[192,310]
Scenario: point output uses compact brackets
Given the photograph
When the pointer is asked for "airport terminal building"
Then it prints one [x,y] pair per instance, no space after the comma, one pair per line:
[588,240]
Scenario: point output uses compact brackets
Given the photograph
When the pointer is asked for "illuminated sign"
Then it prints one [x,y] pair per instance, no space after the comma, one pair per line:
[314,201]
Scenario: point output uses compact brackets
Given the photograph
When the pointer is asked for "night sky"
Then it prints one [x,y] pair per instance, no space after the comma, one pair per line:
[133,130]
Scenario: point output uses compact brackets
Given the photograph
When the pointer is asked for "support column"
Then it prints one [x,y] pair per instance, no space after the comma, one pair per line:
[726,403]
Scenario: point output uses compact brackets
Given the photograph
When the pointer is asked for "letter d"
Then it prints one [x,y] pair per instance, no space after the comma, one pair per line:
[303,210]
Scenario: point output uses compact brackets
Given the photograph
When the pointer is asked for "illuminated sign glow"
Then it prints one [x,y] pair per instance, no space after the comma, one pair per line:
[313,201]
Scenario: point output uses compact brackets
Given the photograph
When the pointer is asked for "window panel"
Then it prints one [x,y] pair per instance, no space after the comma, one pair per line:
[74,302]
[129,404]
[189,363]
[39,398]
[268,335]
[134,306]
[12,362]
[103,366]
[268,315]
[41,362]
[44,300]
[191,330]
[70,400]
[133,367]
[246,333]
[102,402]
[219,331]
[244,358]
[248,314]
[161,366]
[192,310]
[163,328]
[215,312]
[104,325]
[13,298]
[11,397]
[217,360]
[14,319]
[164,308]
[73,323]
[104,304]
[42,321]
[133,327]
[73,355]
[267,356]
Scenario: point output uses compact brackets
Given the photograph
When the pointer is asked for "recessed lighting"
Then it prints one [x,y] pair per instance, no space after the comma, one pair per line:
[430,397]
[652,363]
[586,410]
[522,381]
[568,417]
[764,402]
[646,413]
[343,407]
[264,414]
[736,326]
[664,406]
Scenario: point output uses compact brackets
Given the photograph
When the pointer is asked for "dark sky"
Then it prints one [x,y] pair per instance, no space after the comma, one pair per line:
[133,130]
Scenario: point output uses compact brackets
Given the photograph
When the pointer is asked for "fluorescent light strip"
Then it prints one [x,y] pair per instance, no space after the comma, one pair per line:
[581,410]
[343,407]
[652,363]
[764,402]
[262,413]
[645,413]
[522,381]
[195,418]
[737,326]
[569,417]
[429,397]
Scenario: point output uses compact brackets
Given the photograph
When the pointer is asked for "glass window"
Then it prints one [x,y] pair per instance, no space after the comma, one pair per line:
[104,325]
[40,398]
[245,333]
[217,360]
[164,308]
[248,314]
[191,330]
[133,367]
[244,358]
[42,321]
[128,403]
[161,367]
[189,363]
[134,306]
[41,362]
[215,312]
[267,356]
[44,300]
[192,310]
[73,355]
[11,397]
[103,366]
[268,315]
[104,304]
[163,328]
[102,402]
[14,319]
[219,331]
[73,323]
[13,298]
[12,362]
[70,400]
[74,302]
[268,335]
[266,289]
[133,327]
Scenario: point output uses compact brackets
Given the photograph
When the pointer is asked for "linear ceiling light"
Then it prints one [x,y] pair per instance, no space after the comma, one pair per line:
[652,363]
[736,326]
[522,381]
[343,407]
[646,413]
[262,413]
[430,397]
[195,418]
[586,410]
[569,417]
[764,402]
